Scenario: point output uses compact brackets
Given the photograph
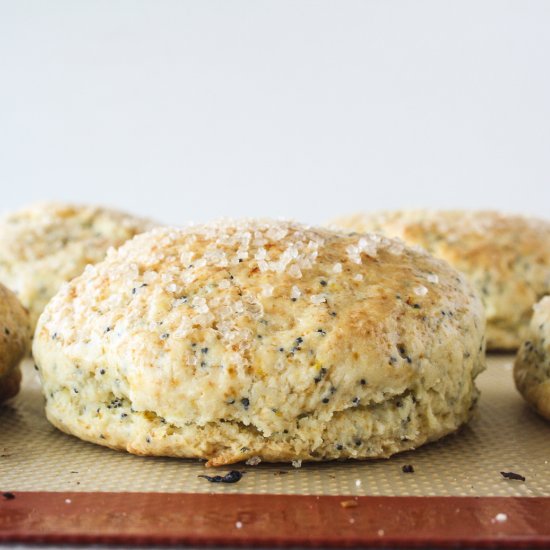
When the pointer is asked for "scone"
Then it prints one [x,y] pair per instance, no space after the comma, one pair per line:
[532,367]
[507,258]
[264,340]
[47,244]
[14,340]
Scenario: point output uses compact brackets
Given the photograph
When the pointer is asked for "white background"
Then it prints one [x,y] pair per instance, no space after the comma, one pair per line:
[194,110]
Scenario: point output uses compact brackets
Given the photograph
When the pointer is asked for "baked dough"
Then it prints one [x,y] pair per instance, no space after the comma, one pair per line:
[506,257]
[262,340]
[532,367]
[47,244]
[14,341]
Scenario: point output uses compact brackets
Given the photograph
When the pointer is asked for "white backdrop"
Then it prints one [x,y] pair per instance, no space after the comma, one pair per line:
[194,110]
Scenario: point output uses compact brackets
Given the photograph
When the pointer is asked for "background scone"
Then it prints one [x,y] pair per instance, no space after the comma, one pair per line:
[45,245]
[14,341]
[532,367]
[506,257]
[262,339]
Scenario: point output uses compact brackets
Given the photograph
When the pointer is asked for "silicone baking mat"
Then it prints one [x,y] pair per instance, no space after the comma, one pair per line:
[66,490]
[504,436]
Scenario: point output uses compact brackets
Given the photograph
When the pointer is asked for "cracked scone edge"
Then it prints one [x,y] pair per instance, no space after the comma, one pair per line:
[262,339]
[506,257]
[47,244]
[14,342]
[532,365]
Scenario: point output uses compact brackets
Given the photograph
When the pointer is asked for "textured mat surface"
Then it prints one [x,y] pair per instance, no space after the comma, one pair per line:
[504,436]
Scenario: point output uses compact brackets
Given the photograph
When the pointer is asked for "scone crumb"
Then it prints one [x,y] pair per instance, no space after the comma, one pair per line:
[253,461]
[297,463]
[349,504]
[512,475]
[232,477]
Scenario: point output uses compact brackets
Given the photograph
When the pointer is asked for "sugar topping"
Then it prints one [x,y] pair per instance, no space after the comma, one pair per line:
[226,275]
[295,272]
[267,290]
[295,292]
[420,290]
[317,298]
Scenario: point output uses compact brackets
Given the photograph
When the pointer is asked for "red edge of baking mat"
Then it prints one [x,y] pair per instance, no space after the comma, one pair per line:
[275,520]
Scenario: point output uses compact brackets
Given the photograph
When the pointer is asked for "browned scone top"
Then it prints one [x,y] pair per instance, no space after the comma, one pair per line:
[14,342]
[262,339]
[506,257]
[532,366]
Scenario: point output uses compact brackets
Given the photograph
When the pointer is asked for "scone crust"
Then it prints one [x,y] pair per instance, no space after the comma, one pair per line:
[532,366]
[14,342]
[46,244]
[262,339]
[506,257]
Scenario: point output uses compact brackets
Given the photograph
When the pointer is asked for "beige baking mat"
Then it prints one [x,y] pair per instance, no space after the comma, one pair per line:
[504,436]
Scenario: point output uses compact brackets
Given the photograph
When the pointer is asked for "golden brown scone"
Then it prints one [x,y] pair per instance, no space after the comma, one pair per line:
[532,367]
[261,339]
[14,341]
[506,257]
[45,245]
